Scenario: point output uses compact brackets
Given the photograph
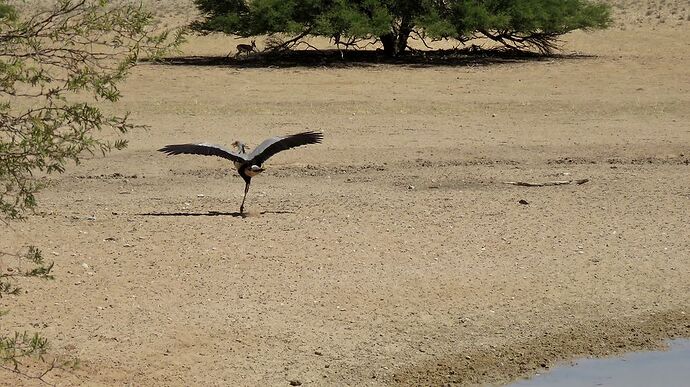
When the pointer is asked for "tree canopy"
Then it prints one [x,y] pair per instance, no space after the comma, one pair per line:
[517,24]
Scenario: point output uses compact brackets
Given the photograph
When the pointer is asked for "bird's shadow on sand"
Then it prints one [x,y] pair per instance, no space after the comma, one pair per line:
[215,213]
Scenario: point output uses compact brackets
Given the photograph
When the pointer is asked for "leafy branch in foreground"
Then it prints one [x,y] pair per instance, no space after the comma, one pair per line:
[50,63]
[58,66]
[20,346]
[39,269]
[17,348]
[13,351]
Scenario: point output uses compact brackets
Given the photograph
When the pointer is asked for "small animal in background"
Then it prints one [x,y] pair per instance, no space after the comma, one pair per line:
[246,48]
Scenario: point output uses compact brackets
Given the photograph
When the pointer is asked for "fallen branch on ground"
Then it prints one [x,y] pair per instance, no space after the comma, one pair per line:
[548,183]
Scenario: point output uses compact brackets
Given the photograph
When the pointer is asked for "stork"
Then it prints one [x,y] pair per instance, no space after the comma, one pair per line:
[247,165]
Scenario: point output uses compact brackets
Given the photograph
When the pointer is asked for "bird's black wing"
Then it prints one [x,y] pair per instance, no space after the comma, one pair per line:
[276,144]
[202,149]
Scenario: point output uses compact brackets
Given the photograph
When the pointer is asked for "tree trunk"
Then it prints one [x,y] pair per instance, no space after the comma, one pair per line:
[394,45]
[389,46]
[403,35]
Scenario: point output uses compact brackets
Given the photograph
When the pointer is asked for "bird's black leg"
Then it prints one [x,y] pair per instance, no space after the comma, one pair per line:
[246,189]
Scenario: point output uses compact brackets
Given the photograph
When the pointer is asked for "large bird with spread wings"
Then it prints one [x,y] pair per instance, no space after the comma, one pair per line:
[248,164]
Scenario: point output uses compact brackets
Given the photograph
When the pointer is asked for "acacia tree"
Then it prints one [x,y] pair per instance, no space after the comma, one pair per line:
[58,65]
[517,24]
[51,62]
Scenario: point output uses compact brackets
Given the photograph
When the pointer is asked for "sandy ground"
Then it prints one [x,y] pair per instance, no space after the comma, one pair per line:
[393,253]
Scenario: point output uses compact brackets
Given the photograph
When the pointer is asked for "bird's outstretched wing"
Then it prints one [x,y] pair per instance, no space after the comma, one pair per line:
[276,144]
[202,149]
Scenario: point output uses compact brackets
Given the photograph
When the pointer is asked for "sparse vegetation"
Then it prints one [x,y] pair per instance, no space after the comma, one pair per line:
[17,348]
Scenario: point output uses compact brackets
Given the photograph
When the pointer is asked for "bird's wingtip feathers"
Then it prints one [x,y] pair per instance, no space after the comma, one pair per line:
[165,149]
[314,137]
[169,149]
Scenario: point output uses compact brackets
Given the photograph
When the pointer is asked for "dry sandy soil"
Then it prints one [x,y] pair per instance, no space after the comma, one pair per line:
[393,253]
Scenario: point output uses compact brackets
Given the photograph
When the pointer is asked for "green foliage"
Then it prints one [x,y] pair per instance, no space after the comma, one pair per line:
[515,23]
[39,269]
[527,23]
[14,350]
[7,12]
[50,62]
[21,345]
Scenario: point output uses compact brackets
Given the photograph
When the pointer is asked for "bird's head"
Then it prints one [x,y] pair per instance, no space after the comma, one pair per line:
[241,147]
